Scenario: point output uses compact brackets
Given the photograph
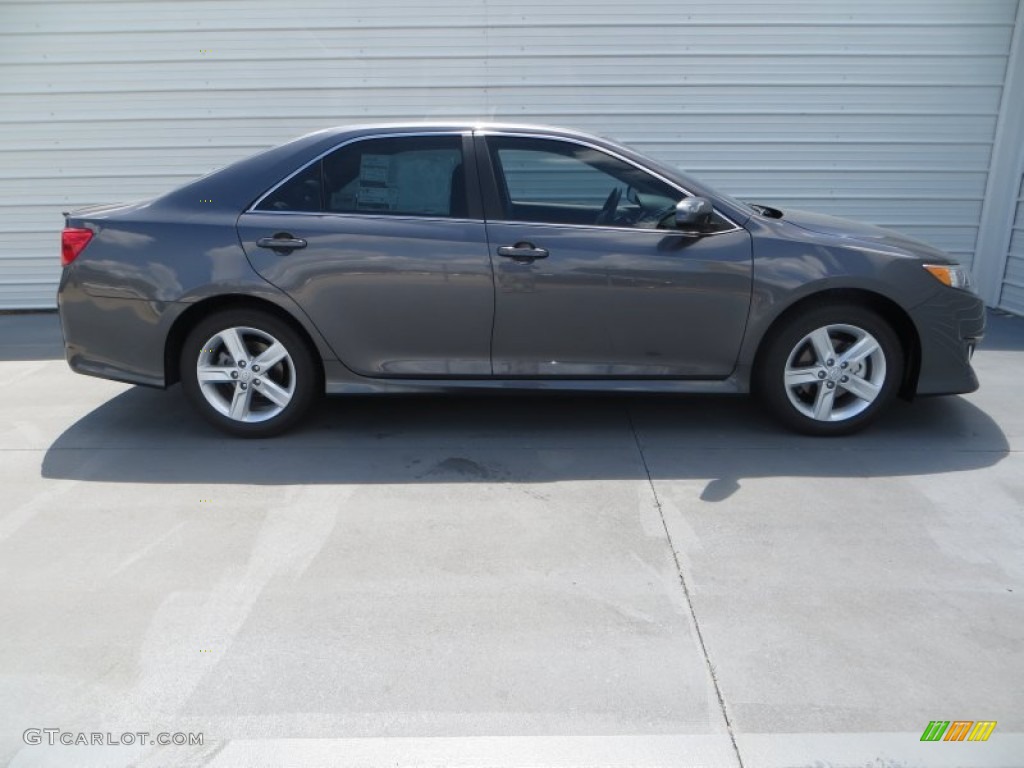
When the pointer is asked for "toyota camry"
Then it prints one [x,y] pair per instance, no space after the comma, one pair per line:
[472,257]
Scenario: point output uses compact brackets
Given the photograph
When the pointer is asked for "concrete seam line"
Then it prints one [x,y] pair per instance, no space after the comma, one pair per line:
[686,589]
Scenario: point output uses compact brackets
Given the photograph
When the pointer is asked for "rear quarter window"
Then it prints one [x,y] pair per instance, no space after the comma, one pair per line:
[302,192]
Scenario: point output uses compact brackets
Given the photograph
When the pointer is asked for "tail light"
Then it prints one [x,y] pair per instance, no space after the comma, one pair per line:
[72,242]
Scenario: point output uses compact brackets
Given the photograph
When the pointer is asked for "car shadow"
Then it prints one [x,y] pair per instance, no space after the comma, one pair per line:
[148,436]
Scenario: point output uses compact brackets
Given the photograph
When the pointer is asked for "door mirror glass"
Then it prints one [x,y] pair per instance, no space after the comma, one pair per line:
[693,212]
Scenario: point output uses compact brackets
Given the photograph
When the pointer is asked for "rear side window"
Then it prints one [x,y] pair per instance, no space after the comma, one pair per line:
[409,176]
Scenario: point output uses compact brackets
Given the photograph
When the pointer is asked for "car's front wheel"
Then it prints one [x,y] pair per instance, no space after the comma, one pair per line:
[248,372]
[830,370]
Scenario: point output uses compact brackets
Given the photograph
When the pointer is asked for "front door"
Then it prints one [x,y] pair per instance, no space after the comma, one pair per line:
[592,278]
[381,246]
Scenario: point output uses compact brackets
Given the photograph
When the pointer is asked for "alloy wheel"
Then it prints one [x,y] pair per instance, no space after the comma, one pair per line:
[835,372]
[246,374]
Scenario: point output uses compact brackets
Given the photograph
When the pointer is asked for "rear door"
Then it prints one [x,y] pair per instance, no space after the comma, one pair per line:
[382,247]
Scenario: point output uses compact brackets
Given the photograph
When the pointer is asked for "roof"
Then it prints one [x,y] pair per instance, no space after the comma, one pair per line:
[451,125]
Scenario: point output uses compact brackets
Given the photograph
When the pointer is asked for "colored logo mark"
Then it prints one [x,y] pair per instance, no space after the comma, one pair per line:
[958,730]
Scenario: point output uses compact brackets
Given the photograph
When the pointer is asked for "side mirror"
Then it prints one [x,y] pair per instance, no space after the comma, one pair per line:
[693,212]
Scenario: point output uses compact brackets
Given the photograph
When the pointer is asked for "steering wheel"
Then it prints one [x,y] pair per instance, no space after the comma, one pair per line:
[610,206]
[661,217]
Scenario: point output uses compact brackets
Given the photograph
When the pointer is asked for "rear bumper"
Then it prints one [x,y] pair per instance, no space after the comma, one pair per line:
[113,338]
[950,325]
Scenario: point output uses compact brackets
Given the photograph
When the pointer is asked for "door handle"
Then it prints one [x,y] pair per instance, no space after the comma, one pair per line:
[523,252]
[281,241]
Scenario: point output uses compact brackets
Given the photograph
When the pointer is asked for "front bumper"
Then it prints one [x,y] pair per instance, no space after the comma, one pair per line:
[950,325]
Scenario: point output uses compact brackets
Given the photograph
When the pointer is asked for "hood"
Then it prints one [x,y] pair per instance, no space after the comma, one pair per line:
[867,234]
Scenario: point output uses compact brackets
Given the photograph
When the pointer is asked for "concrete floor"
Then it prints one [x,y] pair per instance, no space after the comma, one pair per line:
[570,581]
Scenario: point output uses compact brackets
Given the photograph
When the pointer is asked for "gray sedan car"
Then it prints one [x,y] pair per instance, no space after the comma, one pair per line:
[404,258]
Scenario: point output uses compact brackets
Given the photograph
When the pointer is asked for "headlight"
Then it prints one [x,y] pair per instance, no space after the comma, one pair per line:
[952,275]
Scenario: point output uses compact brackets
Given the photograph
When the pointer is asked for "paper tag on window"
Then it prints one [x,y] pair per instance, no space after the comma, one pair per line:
[376,198]
[375,169]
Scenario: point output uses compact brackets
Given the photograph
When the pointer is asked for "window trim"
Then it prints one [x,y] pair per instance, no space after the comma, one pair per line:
[468,168]
[484,150]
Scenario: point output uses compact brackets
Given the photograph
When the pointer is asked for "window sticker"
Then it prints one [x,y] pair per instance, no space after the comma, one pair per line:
[375,169]
[374,192]
[376,199]
[416,182]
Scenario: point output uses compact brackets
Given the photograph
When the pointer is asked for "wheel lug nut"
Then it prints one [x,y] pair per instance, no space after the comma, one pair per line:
[821,374]
[241,363]
[244,385]
[830,384]
[844,365]
[255,369]
[845,379]
[830,362]
[256,382]
[234,374]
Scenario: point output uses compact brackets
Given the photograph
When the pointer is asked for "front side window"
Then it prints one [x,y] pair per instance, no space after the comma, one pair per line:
[559,182]
[407,176]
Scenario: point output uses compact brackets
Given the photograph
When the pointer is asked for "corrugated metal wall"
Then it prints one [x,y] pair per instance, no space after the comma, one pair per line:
[882,110]
[1012,297]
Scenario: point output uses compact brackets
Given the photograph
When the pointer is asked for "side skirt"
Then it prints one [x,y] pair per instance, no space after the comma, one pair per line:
[347,384]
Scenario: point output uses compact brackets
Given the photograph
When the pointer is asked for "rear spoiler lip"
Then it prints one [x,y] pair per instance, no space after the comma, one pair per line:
[85,210]
[99,212]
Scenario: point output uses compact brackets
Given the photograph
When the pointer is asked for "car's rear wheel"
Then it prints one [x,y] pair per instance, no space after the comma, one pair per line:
[248,372]
[830,370]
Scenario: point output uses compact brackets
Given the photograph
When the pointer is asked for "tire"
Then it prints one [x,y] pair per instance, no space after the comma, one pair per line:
[223,378]
[830,370]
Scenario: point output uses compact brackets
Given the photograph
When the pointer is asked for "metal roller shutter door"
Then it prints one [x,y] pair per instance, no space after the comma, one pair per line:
[1012,296]
[882,110]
